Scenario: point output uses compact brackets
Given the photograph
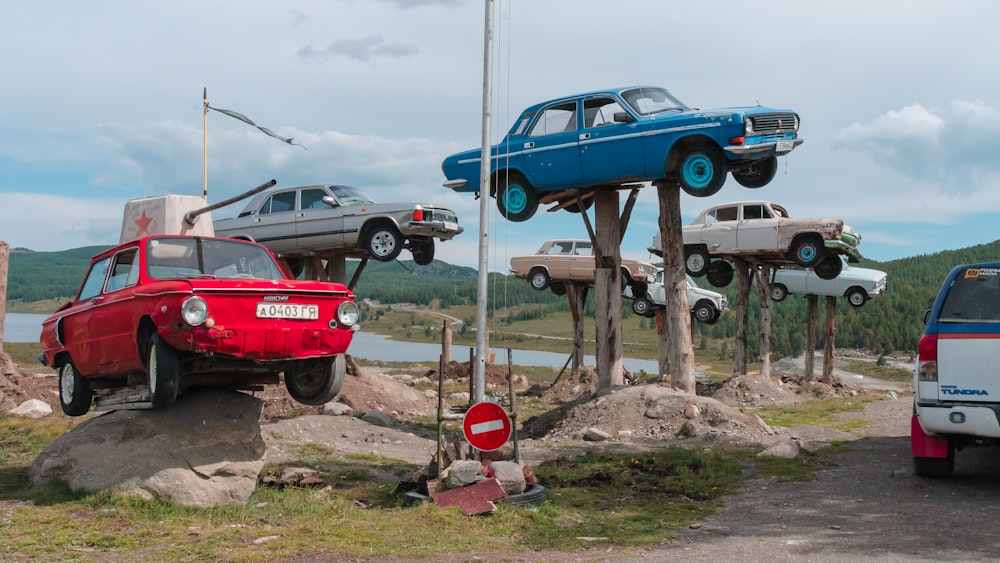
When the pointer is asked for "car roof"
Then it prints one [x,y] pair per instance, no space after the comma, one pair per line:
[256,200]
[535,107]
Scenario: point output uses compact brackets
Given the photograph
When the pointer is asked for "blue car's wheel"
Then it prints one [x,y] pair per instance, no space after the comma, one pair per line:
[701,170]
[758,174]
[517,201]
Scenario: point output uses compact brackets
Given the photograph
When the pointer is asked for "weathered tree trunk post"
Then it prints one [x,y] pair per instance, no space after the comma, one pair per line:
[446,343]
[336,268]
[664,352]
[764,276]
[577,295]
[831,338]
[4,260]
[742,311]
[811,315]
[608,289]
[678,361]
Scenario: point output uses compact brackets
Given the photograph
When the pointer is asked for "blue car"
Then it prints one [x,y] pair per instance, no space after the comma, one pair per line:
[559,149]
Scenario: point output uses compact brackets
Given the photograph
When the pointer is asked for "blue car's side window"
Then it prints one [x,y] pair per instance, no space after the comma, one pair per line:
[555,119]
[600,111]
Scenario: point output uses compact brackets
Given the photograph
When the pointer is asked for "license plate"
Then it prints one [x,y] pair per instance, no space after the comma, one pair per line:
[451,226]
[287,311]
[785,146]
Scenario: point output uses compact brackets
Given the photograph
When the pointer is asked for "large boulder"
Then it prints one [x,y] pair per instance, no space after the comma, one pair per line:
[205,450]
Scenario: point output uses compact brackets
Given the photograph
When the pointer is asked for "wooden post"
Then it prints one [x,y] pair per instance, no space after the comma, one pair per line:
[608,289]
[336,269]
[4,259]
[664,352]
[577,295]
[811,315]
[764,275]
[742,306]
[831,338]
[446,342]
[678,360]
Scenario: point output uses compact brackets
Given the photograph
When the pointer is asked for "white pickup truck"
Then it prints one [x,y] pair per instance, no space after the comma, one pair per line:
[957,377]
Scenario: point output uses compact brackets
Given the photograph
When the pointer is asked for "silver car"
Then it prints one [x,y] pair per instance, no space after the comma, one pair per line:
[322,219]
[706,305]
[858,285]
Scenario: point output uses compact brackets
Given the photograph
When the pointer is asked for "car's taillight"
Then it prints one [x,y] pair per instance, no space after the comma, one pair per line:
[418,214]
[927,355]
[737,140]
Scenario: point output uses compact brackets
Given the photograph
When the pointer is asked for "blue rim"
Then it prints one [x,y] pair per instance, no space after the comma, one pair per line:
[807,253]
[698,171]
[514,199]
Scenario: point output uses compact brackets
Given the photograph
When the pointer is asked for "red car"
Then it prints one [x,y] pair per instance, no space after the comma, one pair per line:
[163,313]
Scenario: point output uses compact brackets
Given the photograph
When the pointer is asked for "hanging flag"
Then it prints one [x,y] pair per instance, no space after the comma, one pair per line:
[249,121]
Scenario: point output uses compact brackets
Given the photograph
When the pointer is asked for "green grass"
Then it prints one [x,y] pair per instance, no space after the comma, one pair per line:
[888,373]
[816,412]
[630,499]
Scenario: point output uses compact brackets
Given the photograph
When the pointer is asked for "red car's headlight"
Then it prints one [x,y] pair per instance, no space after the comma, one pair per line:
[347,314]
[194,310]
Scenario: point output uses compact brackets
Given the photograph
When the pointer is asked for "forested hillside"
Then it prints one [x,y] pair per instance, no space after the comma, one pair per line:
[890,323]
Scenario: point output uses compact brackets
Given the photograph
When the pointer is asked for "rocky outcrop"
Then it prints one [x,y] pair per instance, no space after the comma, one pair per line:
[205,450]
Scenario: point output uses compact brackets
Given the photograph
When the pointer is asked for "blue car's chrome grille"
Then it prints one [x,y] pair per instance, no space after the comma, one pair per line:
[770,123]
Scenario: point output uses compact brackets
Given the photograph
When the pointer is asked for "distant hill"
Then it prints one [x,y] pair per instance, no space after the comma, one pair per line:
[892,322]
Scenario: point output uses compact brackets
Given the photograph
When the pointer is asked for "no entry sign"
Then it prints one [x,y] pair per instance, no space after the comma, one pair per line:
[486,426]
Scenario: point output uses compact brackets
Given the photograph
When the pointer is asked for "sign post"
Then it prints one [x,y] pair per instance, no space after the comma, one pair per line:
[486,426]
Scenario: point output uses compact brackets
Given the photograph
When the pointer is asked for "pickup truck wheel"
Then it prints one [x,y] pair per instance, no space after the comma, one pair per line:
[696,261]
[539,278]
[778,292]
[383,243]
[317,381]
[643,307]
[829,267]
[518,201]
[423,252]
[164,369]
[704,312]
[701,170]
[720,273]
[75,393]
[807,251]
[856,296]
[758,174]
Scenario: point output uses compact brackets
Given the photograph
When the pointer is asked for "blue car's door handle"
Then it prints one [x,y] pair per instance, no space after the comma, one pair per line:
[584,136]
[529,145]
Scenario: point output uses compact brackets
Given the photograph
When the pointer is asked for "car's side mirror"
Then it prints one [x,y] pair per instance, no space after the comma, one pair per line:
[330,201]
[622,117]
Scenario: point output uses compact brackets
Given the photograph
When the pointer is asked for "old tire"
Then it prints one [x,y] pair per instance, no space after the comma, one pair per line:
[829,267]
[558,288]
[696,261]
[720,273]
[701,170]
[778,292]
[856,297]
[643,307]
[164,370]
[539,278]
[518,201]
[534,494]
[758,174]
[705,312]
[383,242]
[423,252]
[587,203]
[75,393]
[317,381]
[807,250]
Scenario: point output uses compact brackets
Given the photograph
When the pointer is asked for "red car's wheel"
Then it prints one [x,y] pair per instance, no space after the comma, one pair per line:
[75,394]
[316,382]
[164,369]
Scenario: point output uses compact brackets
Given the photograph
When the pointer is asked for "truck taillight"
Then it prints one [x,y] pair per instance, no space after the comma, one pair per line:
[927,358]
[418,214]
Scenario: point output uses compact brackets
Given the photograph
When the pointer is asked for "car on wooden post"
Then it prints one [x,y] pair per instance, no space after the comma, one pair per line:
[618,136]
[763,231]
[321,219]
[706,305]
[857,285]
[164,313]
[572,260]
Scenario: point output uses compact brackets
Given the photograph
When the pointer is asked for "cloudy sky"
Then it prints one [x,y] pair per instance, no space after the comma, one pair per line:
[102,102]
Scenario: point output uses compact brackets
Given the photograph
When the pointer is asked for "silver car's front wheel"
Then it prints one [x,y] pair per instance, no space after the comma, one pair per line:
[384,243]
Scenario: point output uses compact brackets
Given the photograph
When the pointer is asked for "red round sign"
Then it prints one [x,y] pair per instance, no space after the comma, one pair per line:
[486,426]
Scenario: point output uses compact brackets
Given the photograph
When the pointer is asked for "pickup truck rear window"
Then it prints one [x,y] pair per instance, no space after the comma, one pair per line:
[974,296]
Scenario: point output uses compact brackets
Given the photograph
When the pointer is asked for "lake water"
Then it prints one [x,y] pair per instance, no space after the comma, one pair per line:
[20,327]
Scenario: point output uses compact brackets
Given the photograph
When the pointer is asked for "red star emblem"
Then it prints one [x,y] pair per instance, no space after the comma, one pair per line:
[143,224]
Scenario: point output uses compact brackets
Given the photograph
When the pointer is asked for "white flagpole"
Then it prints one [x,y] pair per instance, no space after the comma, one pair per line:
[204,143]
[479,383]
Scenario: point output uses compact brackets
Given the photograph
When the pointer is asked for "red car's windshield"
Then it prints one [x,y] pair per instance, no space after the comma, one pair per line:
[194,257]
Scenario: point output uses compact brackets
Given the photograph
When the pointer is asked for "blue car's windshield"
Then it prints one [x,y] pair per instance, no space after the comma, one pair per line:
[647,101]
